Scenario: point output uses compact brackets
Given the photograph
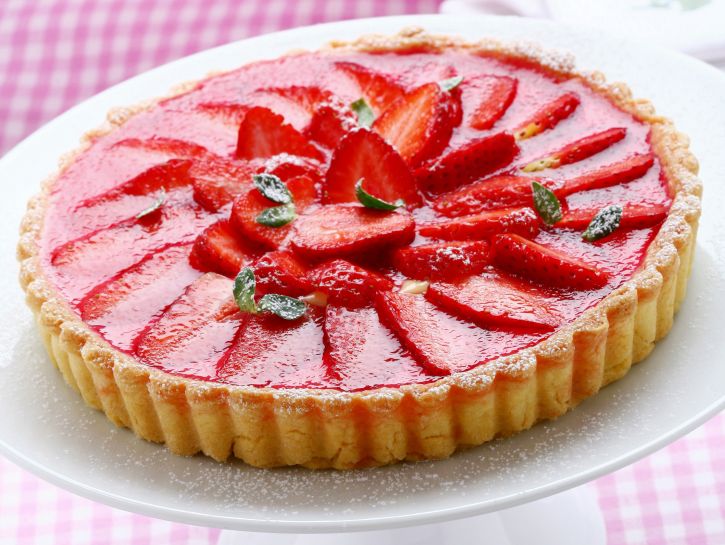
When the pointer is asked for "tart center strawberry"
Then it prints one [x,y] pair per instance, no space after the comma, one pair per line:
[352,220]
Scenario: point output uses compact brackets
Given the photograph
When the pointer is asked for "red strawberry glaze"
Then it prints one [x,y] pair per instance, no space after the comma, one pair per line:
[124,275]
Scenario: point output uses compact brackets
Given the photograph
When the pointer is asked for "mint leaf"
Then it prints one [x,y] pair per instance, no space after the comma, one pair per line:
[369,201]
[273,188]
[604,223]
[365,114]
[450,83]
[160,198]
[277,216]
[547,205]
[283,306]
[244,288]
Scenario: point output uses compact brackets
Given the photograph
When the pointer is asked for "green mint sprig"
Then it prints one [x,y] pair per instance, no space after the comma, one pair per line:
[277,216]
[369,201]
[283,306]
[245,285]
[364,113]
[274,189]
[604,223]
[156,205]
[546,204]
[450,83]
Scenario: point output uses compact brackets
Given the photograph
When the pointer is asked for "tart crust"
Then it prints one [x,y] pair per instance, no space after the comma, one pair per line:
[269,427]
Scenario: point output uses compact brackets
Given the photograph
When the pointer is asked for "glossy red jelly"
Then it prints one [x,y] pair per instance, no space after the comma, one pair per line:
[124,266]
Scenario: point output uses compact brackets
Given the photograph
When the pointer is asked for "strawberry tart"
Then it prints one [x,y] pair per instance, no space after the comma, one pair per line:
[389,249]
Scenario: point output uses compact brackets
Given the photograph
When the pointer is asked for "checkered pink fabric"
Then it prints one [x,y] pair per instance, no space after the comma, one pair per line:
[54,53]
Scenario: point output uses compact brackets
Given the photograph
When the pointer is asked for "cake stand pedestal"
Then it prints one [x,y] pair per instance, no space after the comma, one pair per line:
[569,518]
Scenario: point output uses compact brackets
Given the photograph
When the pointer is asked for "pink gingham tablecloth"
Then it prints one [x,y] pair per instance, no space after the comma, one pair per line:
[55,53]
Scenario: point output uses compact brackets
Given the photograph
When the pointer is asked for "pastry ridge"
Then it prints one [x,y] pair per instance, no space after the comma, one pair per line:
[268,427]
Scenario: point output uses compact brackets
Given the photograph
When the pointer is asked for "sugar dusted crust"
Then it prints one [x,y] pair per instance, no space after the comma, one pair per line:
[269,427]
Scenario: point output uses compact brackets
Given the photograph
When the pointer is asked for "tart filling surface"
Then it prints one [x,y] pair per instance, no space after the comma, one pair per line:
[405,212]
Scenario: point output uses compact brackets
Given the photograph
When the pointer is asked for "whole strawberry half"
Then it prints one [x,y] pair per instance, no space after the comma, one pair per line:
[344,230]
[364,154]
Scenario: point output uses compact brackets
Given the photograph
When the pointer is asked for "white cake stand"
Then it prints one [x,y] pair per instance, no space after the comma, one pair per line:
[46,428]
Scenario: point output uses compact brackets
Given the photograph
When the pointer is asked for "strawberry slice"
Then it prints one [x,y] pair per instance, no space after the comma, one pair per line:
[548,117]
[307,96]
[634,216]
[218,181]
[501,191]
[348,284]
[522,221]
[441,343]
[168,182]
[342,230]
[167,176]
[497,92]
[329,124]
[168,146]
[364,154]
[546,265]
[122,306]
[270,351]
[621,172]
[330,120]
[380,90]
[467,163]
[250,204]
[218,249]
[281,272]
[442,260]
[230,112]
[354,342]
[264,133]
[194,331]
[94,257]
[498,301]
[578,150]
[419,124]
